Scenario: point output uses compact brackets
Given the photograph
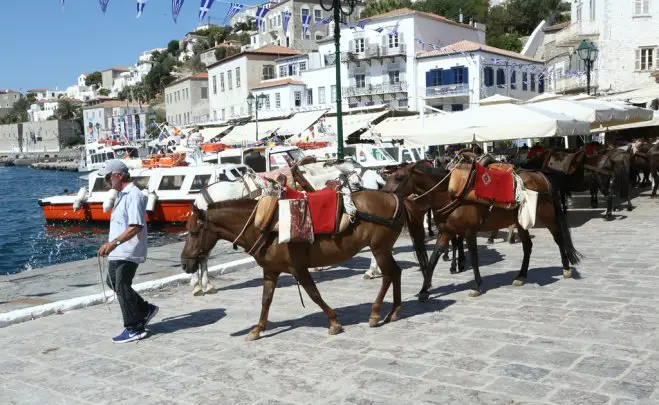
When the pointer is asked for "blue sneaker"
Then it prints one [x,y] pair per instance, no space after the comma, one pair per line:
[129,335]
[153,310]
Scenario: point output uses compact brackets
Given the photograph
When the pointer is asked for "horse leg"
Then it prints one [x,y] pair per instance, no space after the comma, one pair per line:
[511,234]
[304,278]
[206,285]
[373,270]
[564,200]
[445,255]
[454,248]
[269,285]
[655,180]
[394,275]
[440,246]
[493,235]
[383,262]
[430,232]
[473,252]
[527,246]
[194,282]
[609,202]
[461,254]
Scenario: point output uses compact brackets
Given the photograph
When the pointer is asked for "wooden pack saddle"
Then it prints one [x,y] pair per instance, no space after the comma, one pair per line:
[266,218]
[462,185]
[563,162]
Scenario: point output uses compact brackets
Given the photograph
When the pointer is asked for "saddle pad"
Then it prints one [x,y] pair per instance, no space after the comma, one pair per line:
[265,211]
[295,222]
[494,185]
[560,163]
[323,206]
[591,149]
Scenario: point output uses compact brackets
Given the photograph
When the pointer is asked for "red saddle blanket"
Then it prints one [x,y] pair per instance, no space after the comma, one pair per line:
[590,149]
[322,206]
[495,185]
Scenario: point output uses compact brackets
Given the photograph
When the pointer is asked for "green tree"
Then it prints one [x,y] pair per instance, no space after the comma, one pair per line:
[103,92]
[475,10]
[375,7]
[194,65]
[68,110]
[510,42]
[173,47]
[31,98]
[94,80]
[18,112]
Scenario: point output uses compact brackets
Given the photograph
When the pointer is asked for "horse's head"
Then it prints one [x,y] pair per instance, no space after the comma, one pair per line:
[198,242]
[415,178]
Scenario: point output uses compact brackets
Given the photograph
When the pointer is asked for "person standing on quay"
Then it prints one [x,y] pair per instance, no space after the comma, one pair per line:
[126,249]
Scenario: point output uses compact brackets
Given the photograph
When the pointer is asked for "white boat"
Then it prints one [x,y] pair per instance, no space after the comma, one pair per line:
[96,153]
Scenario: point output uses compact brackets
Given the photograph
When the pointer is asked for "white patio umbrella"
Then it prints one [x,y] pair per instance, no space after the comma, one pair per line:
[597,115]
[498,99]
[492,123]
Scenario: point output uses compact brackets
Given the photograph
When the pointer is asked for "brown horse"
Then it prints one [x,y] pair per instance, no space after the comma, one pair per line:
[462,217]
[378,223]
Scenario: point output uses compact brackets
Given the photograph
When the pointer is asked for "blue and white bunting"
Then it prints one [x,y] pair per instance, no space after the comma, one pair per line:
[140,7]
[260,13]
[325,21]
[104,4]
[306,20]
[286,17]
[176,8]
[234,9]
[379,30]
[362,24]
[204,8]
[420,42]
[62,3]
[394,31]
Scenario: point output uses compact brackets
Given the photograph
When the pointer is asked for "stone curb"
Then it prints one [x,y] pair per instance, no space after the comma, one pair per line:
[26,314]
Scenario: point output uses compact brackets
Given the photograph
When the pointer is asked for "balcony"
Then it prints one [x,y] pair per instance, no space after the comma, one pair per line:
[374,52]
[572,35]
[375,89]
[448,90]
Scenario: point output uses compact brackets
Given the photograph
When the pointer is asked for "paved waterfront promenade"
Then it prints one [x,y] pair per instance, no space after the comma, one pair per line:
[589,340]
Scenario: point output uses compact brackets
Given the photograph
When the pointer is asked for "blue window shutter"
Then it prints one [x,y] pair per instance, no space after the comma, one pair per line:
[446,76]
[465,74]
[429,78]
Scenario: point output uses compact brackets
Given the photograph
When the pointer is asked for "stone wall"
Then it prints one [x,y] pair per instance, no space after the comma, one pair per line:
[44,136]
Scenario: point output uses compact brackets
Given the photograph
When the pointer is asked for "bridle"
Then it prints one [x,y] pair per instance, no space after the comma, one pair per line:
[203,224]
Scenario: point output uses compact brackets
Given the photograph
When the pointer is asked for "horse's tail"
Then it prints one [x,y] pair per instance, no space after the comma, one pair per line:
[414,222]
[622,179]
[573,256]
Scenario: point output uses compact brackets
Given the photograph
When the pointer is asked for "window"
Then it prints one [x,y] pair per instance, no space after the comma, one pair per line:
[319,36]
[393,41]
[592,10]
[579,10]
[333,93]
[279,20]
[200,181]
[525,81]
[489,76]
[292,69]
[541,84]
[359,45]
[303,65]
[277,100]
[645,59]
[317,15]
[204,93]
[310,97]
[501,77]
[171,183]
[288,42]
[513,80]
[224,117]
[457,107]
[283,71]
[360,81]
[141,181]
[221,81]
[298,99]
[305,11]
[532,81]
[266,102]
[268,72]
[641,7]
[394,77]
[321,95]
[237,77]
[230,79]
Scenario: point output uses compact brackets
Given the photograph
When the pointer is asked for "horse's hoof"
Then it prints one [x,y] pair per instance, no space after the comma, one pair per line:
[335,329]
[197,291]
[490,241]
[453,270]
[252,336]
[475,293]
[629,208]
[461,269]
[210,290]
[373,321]
[518,282]
[392,316]
[446,258]
[608,217]
[423,296]
[567,273]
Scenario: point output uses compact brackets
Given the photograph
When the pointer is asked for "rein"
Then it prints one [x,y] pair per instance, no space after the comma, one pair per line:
[440,182]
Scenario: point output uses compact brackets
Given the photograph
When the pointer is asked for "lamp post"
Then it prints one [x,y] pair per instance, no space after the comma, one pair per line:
[256,103]
[588,53]
[339,14]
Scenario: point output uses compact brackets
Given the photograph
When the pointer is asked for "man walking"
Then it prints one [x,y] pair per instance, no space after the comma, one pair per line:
[126,249]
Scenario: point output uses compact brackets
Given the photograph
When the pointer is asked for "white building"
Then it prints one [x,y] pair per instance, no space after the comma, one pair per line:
[460,75]
[42,110]
[115,119]
[46,94]
[230,80]
[626,35]
[80,91]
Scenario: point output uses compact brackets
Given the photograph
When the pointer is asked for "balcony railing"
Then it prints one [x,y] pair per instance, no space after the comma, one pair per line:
[374,52]
[576,32]
[373,89]
[448,90]
[571,84]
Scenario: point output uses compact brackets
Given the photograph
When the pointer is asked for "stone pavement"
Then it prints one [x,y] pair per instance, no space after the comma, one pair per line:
[79,278]
[589,340]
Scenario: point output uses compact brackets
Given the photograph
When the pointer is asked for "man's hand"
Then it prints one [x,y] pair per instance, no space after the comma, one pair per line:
[107,248]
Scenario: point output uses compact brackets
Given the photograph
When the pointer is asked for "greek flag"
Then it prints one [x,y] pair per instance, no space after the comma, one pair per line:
[176,8]
[434,47]
[286,19]
[325,21]
[204,8]
[62,3]
[420,42]
[104,4]
[260,13]
[306,19]
[379,30]
[234,9]
[394,31]
[361,24]
[140,7]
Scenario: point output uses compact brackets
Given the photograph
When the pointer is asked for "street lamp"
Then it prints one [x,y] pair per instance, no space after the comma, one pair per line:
[256,103]
[588,53]
[339,15]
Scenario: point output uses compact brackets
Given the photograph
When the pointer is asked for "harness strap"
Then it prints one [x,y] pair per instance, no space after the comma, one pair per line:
[388,222]
[597,169]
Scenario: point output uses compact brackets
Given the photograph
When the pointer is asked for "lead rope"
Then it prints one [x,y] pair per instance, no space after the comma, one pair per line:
[440,182]
[101,267]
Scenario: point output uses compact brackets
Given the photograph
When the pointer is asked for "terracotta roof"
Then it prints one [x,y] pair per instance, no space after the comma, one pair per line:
[112,104]
[198,76]
[8,91]
[468,46]
[400,12]
[264,50]
[202,75]
[119,69]
[37,90]
[557,27]
[274,83]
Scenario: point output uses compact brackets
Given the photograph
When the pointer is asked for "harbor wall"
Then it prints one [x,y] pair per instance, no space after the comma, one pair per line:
[37,137]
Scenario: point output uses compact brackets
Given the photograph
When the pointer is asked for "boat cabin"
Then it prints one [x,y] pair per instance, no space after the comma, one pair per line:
[263,158]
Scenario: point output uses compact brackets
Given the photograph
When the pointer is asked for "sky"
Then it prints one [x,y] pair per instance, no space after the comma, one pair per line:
[47,46]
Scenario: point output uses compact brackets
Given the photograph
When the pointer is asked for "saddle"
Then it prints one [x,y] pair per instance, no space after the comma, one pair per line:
[487,186]
[304,215]
[563,162]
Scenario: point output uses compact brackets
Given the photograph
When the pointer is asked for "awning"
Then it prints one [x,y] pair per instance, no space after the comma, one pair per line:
[352,123]
[596,113]
[638,96]
[210,133]
[300,122]
[392,128]
[247,133]
[641,124]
